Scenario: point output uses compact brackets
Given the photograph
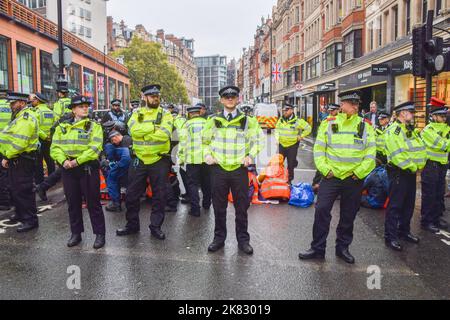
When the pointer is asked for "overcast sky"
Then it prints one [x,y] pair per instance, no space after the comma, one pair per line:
[218,26]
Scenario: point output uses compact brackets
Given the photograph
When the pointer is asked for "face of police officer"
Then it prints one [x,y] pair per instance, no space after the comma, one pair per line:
[18,105]
[81,111]
[334,113]
[115,107]
[34,101]
[384,122]
[287,113]
[439,118]
[202,112]
[153,101]
[349,107]
[192,115]
[406,117]
[230,102]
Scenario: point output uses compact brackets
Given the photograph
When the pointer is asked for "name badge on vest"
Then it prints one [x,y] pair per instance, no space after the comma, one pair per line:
[83,136]
[359,141]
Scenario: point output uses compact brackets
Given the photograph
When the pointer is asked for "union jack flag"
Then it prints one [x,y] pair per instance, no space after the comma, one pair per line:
[276,73]
[101,84]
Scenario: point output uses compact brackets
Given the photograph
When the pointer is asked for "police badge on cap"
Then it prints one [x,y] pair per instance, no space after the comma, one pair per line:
[152,90]
[352,96]
[78,101]
[229,92]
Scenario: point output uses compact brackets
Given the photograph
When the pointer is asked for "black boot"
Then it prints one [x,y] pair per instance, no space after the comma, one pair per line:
[41,193]
[99,241]
[311,255]
[126,232]
[27,226]
[345,255]
[74,240]
[158,234]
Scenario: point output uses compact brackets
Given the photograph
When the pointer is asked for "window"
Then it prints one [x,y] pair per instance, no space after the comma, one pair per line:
[438,7]
[74,77]
[25,70]
[89,84]
[371,36]
[329,58]
[4,66]
[112,89]
[408,16]
[339,57]
[313,68]
[395,22]
[358,44]
[101,91]
[349,46]
[48,73]
[127,96]
[120,89]
[297,14]
[296,74]
[380,31]
[424,10]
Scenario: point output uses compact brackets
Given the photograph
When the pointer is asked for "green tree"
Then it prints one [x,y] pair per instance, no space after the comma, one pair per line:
[147,64]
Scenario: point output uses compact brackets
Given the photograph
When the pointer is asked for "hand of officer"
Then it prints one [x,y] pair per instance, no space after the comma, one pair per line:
[355,177]
[300,138]
[210,160]
[73,164]
[67,165]
[5,164]
[248,161]
[330,175]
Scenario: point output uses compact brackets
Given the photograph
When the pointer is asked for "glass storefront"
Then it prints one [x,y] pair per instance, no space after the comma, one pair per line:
[25,70]
[4,53]
[48,74]
[101,91]
[127,97]
[89,84]
[443,87]
[120,95]
[74,78]
[112,90]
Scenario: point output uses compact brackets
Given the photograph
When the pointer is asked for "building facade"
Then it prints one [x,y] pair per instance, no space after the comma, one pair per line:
[27,41]
[84,18]
[328,46]
[212,75]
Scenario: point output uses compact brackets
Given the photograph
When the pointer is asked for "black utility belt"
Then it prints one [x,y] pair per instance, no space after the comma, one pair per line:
[393,168]
[436,164]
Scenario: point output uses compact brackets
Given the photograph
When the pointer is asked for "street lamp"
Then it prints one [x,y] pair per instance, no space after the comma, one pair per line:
[61,80]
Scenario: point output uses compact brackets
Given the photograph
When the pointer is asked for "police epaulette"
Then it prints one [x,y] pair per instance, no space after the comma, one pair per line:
[398,130]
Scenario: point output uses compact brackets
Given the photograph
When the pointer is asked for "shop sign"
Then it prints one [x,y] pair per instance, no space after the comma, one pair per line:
[380,69]
[360,79]
[402,65]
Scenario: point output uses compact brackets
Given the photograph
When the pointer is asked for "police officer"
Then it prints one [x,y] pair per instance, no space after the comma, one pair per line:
[406,155]
[383,119]
[191,155]
[19,143]
[204,110]
[135,104]
[116,114]
[436,137]
[231,143]
[151,130]
[333,109]
[76,147]
[247,109]
[62,106]
[345,155]
[46,121]
[289,131]
[119,157]
[5,118]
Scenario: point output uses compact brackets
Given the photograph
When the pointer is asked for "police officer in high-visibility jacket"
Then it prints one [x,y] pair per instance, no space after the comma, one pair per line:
[344,153]
[151,129]
[46,120]
[289,132]
[231,143]
[62,106]
[191,155]
[19,142]
[436,137]
[76,147]
[5,118]
[384,119]
[406,155]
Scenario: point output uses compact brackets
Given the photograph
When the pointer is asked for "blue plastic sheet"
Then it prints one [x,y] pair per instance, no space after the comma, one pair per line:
[302,195]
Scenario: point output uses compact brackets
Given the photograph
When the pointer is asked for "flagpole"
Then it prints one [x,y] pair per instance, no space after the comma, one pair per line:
[271,62]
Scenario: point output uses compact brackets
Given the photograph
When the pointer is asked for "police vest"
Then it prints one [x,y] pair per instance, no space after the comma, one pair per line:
[118,118]
[191,149]
[5,114]
[436,137]
[46,120]
[287,131]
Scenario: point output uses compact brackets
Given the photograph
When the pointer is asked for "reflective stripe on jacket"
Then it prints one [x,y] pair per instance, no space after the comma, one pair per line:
[436,139]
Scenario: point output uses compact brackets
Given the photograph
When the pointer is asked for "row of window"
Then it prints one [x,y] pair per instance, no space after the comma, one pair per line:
[100,88]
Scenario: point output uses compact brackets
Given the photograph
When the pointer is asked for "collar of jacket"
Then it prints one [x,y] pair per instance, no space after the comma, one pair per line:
[344,117]
[222,116]
[72,124]
[292,119]
[146,110]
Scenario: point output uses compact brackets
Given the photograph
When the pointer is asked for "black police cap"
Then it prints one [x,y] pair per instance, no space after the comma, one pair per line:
[151,90]
[229,91]
[196,108]
[40,97]
[201,105]
[384,115]
[439,111]
[17,96]
[352,95]
[78,101]
[287,106]
[116,102]
[406,106]
[333,106]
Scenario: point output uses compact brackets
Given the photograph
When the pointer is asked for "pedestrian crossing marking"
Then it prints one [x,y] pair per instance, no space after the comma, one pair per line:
[444,233]
[446,242]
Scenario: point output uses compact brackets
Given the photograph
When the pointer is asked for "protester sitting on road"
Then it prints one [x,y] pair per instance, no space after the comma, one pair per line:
[276,180]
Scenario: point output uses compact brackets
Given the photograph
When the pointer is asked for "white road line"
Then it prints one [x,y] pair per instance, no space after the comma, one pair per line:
[446,242]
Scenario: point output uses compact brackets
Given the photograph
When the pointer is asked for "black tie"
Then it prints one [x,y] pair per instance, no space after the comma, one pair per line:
[230,117]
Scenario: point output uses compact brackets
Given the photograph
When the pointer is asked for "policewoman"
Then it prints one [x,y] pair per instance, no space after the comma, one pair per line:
[406,156]
[5,118]
[151,129]
[46,120]
[76,147]
[384,119]
[19,142]
[344,154]
[231,142]
[289,131]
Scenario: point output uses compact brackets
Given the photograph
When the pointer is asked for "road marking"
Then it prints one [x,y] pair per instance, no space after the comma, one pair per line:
[45,208]
[446,242]
[444,233]
[2,231]
[4,225]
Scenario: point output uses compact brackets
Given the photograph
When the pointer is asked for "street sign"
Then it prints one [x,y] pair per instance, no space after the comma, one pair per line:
[67,57]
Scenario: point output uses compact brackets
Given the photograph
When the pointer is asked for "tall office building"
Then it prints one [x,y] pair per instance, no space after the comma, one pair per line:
[212,75]
[84,18]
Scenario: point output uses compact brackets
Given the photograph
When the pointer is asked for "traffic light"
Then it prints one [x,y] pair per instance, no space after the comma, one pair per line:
[434,59]
[419,39]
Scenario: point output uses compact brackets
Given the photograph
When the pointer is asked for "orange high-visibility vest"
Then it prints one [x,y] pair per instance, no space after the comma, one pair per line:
[275,185]
[252,181]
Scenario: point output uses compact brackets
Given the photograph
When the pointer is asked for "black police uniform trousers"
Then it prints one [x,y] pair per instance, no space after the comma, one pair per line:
[43,154]
[81,183]
[290,154]
[351,192]
[23,195]
[52,180]
[137,177]
[222,182]
[199,177]
[5,196]
[433,192]
[402,195]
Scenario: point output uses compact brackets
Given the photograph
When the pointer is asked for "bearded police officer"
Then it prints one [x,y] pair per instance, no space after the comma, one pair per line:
[19,144]
[116,114]
[406,155]
[231,141]
[345,155]
[5,118]
[289,132]
[151,130]
[191,155]
[436,137]
[46,120]
[384,119]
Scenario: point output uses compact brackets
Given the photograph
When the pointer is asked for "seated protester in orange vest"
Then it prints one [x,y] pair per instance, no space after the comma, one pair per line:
[276,180]
[254,194]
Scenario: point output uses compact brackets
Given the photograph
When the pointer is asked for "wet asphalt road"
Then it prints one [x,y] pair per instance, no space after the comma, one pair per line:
[34,265]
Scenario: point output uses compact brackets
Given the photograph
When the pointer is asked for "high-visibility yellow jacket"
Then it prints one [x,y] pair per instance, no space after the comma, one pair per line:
[230,142]
[46,120]
[81,141]
[21,135]
[288,131]
[5,114]
[404,148]
[436,137]
[381,148]
[191,148]
[151,130]
[345,146]
[61,107]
